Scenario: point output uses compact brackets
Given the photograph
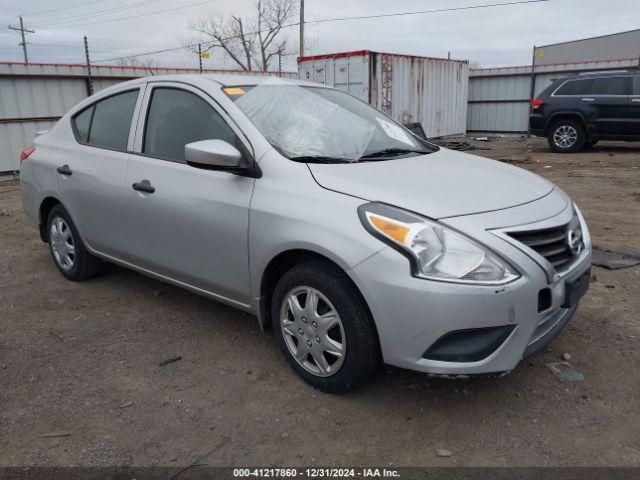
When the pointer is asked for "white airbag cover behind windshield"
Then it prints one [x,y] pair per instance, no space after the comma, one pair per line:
[301,124]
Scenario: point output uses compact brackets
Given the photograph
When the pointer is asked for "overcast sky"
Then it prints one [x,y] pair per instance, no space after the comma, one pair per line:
[493,36]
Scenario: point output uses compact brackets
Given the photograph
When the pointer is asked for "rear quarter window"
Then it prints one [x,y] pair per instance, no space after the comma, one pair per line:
[575,87]
[82,122]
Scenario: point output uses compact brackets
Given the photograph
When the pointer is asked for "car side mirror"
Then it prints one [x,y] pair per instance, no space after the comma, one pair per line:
[213,154]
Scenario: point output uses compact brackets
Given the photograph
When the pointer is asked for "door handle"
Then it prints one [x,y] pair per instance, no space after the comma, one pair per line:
[143,186]
[588,99]
[64,170]
[635,100]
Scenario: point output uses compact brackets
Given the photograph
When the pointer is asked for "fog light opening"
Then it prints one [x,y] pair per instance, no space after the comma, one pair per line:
[544,299]
[472,345]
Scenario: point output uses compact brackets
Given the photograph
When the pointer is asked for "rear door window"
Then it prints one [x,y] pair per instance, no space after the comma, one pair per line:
[636,85]
[112,121]
[610,86]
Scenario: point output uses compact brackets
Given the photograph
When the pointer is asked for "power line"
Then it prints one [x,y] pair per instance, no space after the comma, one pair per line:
[96,14]
[338,19]
[135,16]
[421,12]
[43,12]
[8,19]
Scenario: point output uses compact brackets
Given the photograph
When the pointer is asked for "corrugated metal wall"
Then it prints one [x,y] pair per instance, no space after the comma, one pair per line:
[431,91]
[34,96]
[498,103]
[499,97]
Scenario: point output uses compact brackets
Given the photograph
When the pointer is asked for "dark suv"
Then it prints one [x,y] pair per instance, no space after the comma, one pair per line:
[577,111]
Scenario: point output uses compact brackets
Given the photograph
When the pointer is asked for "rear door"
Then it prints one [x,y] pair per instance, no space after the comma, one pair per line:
[192,224]
[634,106]
[91,172]
[606,106]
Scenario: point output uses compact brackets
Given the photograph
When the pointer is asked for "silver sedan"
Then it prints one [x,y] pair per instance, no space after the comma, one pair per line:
[356,242]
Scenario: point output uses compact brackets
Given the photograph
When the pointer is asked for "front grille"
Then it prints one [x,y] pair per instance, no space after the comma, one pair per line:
[553,243]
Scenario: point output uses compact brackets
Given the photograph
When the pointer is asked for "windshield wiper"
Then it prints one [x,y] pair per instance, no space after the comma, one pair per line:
[320,159]
[391,152]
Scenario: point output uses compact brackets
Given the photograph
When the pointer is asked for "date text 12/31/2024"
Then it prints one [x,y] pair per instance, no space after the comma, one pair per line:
[315,473]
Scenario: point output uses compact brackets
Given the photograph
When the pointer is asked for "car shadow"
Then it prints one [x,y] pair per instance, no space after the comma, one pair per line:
[404,385]
[600,147]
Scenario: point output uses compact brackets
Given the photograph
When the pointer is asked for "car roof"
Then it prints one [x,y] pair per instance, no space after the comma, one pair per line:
[225,80]
[230,80]
[609,73]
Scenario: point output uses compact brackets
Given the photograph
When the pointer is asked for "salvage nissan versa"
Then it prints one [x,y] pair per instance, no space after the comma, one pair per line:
[354,240]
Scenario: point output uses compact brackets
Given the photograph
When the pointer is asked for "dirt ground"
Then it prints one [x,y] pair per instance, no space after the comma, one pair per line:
[82,360]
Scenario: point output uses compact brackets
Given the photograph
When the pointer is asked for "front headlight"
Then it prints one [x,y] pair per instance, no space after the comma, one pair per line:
[436,252]
[584,230]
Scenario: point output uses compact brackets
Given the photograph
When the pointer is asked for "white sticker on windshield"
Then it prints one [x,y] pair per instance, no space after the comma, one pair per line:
[394,131]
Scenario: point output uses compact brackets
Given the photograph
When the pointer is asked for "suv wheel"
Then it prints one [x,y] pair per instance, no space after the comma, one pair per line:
[68,252]
[566,136]
[323,327]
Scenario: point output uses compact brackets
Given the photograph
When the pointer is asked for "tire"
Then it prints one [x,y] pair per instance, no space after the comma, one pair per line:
[353,333]
[67,250]
[590,143]
[566,136]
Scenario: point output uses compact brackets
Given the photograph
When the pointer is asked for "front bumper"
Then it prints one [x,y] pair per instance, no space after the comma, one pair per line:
[412,314]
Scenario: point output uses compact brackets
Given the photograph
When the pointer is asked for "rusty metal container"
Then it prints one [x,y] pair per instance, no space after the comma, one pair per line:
[432,91]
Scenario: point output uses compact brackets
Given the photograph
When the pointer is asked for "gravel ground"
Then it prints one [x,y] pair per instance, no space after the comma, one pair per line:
[82,360]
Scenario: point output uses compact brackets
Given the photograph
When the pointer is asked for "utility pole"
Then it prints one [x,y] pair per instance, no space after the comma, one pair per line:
[200,55]
[22,31]
[89,79]
[532,90]
[301,28]
[279,62]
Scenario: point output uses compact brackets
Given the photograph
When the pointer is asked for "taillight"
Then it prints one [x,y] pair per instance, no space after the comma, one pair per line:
[26,152]
[536,103]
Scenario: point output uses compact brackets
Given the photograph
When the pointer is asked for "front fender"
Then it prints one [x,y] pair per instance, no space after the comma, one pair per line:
[290,211]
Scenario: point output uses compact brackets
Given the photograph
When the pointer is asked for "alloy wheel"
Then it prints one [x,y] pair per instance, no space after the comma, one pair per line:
[313,331]
[62,244]
[565,136]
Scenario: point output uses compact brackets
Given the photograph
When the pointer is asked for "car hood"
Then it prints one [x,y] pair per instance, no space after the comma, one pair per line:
[442,184]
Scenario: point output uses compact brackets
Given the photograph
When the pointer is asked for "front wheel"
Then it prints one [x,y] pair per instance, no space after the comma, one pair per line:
[566,136]
[324,328]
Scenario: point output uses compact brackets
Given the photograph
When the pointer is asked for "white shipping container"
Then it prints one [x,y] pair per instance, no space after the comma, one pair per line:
[431,91]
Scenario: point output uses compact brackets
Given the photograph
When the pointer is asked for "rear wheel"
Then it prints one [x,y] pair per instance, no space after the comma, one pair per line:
[566,136]
[324,328]
[68,252]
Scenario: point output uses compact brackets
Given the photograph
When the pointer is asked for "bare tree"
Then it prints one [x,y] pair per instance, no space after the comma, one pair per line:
[249,42]
[136,62]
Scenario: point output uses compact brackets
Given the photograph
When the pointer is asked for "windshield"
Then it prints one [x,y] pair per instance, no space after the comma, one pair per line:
[315,124]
